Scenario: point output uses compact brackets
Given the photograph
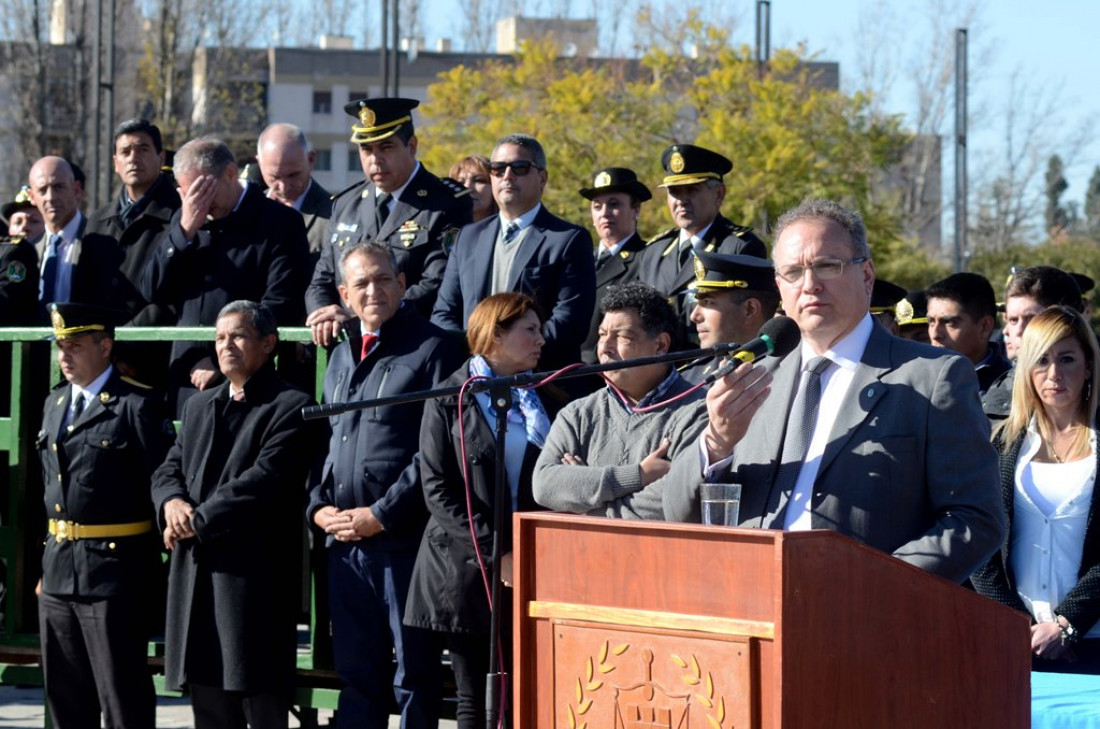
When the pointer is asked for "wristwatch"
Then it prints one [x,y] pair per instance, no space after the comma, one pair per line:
[1069,633]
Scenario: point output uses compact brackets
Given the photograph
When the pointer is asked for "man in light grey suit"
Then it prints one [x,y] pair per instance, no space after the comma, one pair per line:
[894,451]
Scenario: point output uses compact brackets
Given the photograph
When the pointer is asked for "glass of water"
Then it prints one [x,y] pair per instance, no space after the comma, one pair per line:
[721,503]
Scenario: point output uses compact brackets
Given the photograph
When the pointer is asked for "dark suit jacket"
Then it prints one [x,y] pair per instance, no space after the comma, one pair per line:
[554,266]
[137,242]
[257,253]
[96,261]
[420,229]
[316,211]
[97,471]
[243,466]
[611,271]
[1081,606]
[908,469]
[447,593]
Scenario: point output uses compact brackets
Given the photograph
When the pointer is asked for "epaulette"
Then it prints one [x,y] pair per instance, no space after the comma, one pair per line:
[346,189]
[659,236]
[454,186]
[135,383]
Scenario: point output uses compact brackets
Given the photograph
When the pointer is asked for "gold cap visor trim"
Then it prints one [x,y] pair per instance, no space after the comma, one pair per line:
[366,135]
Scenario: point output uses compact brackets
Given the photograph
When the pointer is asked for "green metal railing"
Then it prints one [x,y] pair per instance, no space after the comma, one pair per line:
[22,518]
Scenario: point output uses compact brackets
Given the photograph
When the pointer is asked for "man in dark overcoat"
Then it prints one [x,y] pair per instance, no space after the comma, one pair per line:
[225,243]
[229,500]
[102,437]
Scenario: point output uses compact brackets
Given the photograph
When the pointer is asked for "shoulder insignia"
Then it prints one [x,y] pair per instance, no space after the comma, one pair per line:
[454,187]
[659,236]
[347,189]
[17,272]
[135,383]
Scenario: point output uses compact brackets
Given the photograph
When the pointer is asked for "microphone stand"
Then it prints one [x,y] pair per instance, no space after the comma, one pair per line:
[500,396]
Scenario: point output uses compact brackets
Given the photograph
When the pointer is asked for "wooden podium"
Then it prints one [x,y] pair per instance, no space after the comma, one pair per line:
[625,625]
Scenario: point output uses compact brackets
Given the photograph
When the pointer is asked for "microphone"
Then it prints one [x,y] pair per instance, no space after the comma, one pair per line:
[778,337]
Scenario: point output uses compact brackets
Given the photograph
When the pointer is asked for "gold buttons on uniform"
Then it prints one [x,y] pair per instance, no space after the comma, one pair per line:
[110,545]
[57,508]
[106,443]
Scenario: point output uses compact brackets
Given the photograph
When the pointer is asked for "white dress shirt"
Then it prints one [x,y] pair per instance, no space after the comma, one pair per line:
[835,382]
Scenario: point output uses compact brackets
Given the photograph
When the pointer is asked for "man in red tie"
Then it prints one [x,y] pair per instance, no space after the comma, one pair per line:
[369,502]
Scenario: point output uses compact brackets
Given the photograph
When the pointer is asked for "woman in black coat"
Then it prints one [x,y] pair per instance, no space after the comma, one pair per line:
[1049,565]
[451,581]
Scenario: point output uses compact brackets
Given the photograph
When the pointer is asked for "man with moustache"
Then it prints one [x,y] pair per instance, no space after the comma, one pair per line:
[286,164]
[694,183]
[603,457]
[616,198]
[399,203]
[527,249]
[866,434]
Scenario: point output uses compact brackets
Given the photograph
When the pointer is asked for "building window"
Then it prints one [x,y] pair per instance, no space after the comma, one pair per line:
[324,160]
[322,102]
[353,160]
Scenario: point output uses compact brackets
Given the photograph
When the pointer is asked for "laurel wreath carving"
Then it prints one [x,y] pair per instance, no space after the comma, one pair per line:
[590,683]
[716,709]
[596,666]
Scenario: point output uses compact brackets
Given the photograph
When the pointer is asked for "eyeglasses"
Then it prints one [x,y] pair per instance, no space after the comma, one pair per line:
[520,167]
[825,269]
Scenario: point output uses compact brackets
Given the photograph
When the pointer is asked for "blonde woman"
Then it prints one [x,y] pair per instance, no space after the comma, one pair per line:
[1049,565]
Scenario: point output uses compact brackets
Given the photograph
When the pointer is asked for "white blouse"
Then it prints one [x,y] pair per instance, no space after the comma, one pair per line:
[1049,515]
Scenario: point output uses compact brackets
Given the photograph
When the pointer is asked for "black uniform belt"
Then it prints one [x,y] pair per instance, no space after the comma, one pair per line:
[63,529]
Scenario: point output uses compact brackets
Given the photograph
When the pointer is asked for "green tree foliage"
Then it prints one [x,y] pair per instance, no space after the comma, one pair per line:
[787,136]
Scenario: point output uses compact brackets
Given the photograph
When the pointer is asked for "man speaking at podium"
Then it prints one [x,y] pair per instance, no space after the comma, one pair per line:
[866,434]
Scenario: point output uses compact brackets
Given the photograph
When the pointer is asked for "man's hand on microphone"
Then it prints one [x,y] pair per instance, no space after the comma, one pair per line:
[731,403]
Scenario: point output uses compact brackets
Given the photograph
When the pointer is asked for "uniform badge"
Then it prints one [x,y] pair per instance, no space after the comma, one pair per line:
[421,193]
[700,271]
[676,162]
[366,116]
[602,180]
[448,239]
[903,311]
[57,320]
[624,255]
[104,396]
[349,227]
[17,271]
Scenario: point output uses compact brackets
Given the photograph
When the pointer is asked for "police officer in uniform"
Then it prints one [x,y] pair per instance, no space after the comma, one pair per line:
[885,297]
[616,198]
[22,217]
[19,263]
[693,182]
[732,297]
[399,203]
[102,436]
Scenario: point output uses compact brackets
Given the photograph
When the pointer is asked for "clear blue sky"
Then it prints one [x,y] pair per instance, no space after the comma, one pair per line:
[1052,44]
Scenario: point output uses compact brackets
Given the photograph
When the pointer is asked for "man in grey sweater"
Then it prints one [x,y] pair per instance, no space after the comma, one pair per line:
[607,454]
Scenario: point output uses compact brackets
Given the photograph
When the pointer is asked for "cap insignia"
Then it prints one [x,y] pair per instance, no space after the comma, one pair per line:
[676,162]
[366,116]
[57,320]
[602,180]
[904,311]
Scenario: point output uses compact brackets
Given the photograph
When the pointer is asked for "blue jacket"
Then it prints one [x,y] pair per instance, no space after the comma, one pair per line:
[372,453]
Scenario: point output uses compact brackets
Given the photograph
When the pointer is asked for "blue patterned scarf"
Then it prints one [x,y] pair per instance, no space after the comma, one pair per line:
[526,406]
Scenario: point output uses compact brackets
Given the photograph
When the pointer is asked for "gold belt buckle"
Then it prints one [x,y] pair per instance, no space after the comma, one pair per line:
[62,530]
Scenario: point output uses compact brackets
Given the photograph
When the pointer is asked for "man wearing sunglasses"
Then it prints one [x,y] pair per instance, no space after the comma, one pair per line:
[693,181]
[864,433]
[527,249]
[399,203]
